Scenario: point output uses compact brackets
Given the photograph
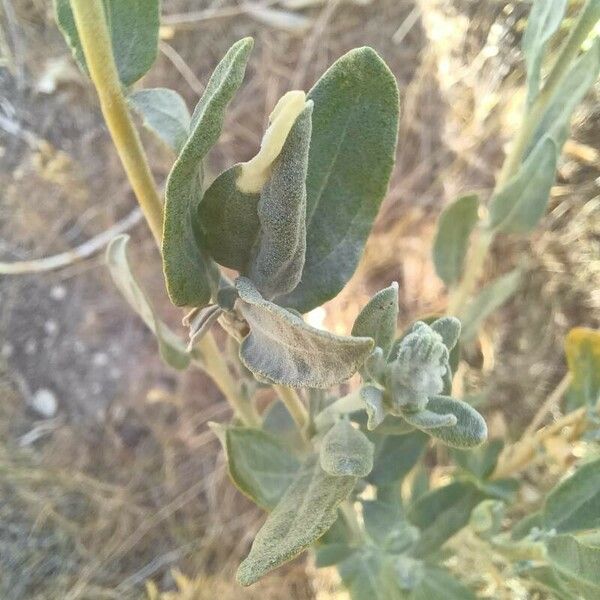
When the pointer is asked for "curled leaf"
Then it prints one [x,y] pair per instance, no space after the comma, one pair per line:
[283,349]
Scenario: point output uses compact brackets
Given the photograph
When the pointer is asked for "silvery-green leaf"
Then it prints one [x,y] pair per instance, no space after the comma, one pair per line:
[571,91]
[133,27]
[395,456]
[261,466]
[283,349]
[373,398]
[427,419]
[172,349]
[452,238]
[346,451]
[305,512]
[189,271]
[352,149]
[449,328]
[574,504]
[491,297]
[543,21]
[470,429]
[332,554]
[578,559]
[278,422]
[521,203]
[387,526]
[438,584]
[378,318]
[441,513]
[481,461]
[279,253]
[228,220]
[164,113]
[367,575]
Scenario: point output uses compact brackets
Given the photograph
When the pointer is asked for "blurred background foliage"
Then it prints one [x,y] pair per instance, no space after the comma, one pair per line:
[111,484]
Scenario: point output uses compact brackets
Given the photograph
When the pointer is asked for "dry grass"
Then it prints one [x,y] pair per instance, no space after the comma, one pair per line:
[126,483]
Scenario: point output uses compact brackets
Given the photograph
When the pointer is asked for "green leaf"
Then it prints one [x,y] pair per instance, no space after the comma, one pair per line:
[352,150]
[438,584]
[574,504]
[570,92]
[441,513]
[427,419]
[188,270]
[470,429]
[133,27]
[260,466]
[367,575]
[278,421]
[283,349]
[276,266]
[481,461]
[582,347]
[306,511]
[387,526]
[395,456]
[551,581]
[521,203]
[346,451]
[491,297]
[452,238]
[171,347]
[228,220]
[544,20]
[378,318]
[577,559]
[332,554]
[164,113]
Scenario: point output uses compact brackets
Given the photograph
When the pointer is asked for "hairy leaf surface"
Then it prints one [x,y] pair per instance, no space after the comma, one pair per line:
[283,349]
[306,511]
[352,149]
[189,271]
[346,451]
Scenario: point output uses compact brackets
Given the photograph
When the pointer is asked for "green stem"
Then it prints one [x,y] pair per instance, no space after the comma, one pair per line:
[294,405]
[97,48]
[483,238]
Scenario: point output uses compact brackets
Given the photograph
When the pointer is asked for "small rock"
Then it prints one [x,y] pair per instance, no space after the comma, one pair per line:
[44,403]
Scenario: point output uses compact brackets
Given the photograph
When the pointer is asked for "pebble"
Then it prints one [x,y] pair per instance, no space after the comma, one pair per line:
[44,403]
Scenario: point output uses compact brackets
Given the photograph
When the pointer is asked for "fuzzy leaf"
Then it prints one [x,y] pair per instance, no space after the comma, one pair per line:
[229,221]
[491,297]
[346,451]
[543,21]
[452,238]
[577,559]
[387,526]
[352,149]
[449,328]
[332,554]
[441,513]
[188,270]
[469,429]
[171,347]
[378,318]
[574,504]
[427,419]
[283,349]
[261,466]
[164,113]
[133,27]
[306,511]
[521,203]
[373,398]
[582,347]
[481,461]
[395,456]
[280,249]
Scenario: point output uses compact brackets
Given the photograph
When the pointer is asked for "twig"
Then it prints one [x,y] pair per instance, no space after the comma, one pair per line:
[294,405]
[552,400]
[182,67]
[64,259]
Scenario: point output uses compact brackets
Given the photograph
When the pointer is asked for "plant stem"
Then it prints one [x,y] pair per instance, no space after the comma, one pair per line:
[97,48]
[483,238]
[95,40]
[294,405]
[215,367]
